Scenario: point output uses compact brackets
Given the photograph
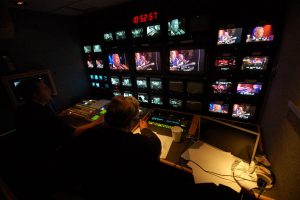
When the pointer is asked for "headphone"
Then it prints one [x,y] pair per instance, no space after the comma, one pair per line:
[265,177]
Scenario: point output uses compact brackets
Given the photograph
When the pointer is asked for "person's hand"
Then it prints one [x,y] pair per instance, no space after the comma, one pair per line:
[143,124]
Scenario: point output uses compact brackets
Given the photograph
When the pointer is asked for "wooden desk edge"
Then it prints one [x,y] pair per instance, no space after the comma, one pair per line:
[188,170]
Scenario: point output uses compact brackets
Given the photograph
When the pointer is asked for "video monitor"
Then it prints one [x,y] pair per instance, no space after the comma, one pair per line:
[175,103]
[243,111]
[137,33]
[93,84]
[87,49]
[255,63]
[90,63]
[141,83]
[193,106]
[108,37]
[143,98]
[115,80]
[99,63]
[176,86]
[97,48]
[229,36]
[176,27]
[127,94]
[261,34]
[147,61]
[155,84]
[120,35]
[126,81]
[189,60]
[225,63]
[153,31]
[194,88]
[118,62]
[117,93]
[222,87]
[92,76]
[96,77]
[218,108]
[156,100]
[249,89]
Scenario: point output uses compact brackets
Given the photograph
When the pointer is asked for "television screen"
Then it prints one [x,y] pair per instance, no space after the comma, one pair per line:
[97,48]
[141,83]
[99,63]
[120,35]
[93,84]
[175,103]
[87,49]
[221,87]
[127,94]
[193,106]
[115,80]
[137,33]
[225,63]
[155,84]
[92,76]
[249,89]
[157,100]
[126,81]
[117,62]
[176,86]
[147,61]
[194,88]
[243,111]
[191,60]
[229,36]
[153,31]
[143,98]
[97,85]
[260,34]
[90,63]
[176,27]
[255,63]
[96,77]
[116,93]
[108,37]
[218,108]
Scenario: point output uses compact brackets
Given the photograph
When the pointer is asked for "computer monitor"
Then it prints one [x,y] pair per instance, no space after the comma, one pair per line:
[262,33]
[108,37]
[97,48]
[193,106]
[143,98]
[218,107]
[175,103]
[222,87]
[147,61]
[155,84]
[126,81]
[141,83]
[194,88]
[243,111]
[225,63]
[87,49]
[254,63]
[176,86]
[99,63]
[249,89]
[115,81]
[120,35]
[176,27]
[156,100]
[229,36]
[118,62]
[127,94]
[137,33]
[153,30]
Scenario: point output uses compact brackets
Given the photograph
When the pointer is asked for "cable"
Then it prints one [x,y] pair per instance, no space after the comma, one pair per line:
[263,184]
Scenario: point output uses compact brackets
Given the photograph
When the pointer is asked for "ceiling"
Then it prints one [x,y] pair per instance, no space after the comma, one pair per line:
[68,7]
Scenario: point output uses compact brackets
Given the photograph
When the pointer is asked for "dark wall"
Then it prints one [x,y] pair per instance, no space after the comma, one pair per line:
[44,41]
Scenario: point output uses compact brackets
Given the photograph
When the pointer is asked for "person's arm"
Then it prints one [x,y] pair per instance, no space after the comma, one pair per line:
[81,129]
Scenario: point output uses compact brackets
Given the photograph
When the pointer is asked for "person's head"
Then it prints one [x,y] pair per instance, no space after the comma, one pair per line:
[258,32]
[175,24]
[173,54]
[35,90]
[122,112]
[137,56]
[116,59]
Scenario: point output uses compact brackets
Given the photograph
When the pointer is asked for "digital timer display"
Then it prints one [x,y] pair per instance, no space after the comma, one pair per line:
[143,18]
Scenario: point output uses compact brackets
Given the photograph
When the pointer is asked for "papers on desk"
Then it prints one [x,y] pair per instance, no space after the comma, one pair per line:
[165,143]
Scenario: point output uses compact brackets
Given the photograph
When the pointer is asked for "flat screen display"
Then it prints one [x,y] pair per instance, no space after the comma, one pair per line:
[108,37]
[175,103]
[97,48]
[147,61]
[153,31]
[225,63]
[126,82]
[120,35]
[99,63]
[222,87]
[249,89]
[141,83]
[254,63]
[137,33]
[229,36]
[261,34]
[87,49]
[118,62]
[90,63]
[218,108]
[156,100]
[155,84]
[176,27]
[243,111]
[115,80]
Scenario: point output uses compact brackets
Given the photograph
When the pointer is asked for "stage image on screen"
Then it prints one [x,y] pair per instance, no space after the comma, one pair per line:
[143,98]
[249,89]
[225,63]
[191,60]
[175,103]
[176,86]
[99,63]
[260,34]
[117,93]
[141,83]
[157,100]
[126,82]
[117,62]
[153,31]
[229,36]
[176,27]
[115,80]
[90,63]
[108,37]
[255,63]
[243,111]
[87,49]
[120,35]
[147,61]
[155,84]
[218,108]
[127,94]
[137,33]
[221,87]
[97,48]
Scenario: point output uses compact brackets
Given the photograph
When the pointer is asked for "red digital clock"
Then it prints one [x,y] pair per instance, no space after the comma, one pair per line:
[143,18]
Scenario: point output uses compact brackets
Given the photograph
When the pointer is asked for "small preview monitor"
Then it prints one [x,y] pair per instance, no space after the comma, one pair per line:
[243,111]
[189,60]
[193,106]
[90,63]
[254,63]
[108,37]
[97,48]
[141,83]
[96,77]
[91,76]
[176,86]
[118,62]
[175,103]
[249,89]
[143,98]
[222,87]
[147,61]
[120,35]
[218,108]
[225,63]
[153,31]
[117,93]
[156,100]
[137,33]
[93,84]
[126,81]
[229,36]
[87,49]
[115,80]
[127,94]
[176,27]
[99,63]
[155,84]
[97,85]
[194,88]
[261,34]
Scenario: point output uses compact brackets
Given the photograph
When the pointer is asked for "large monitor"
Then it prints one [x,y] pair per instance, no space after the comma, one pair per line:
[249,89]
[194,88]
[254,63]
[118,62]
[155,84]
[153,30]
[229,36]
[225,63]
[261,34]
[176,27]
[243,111]
[176,86]
[218,107]
[222,87]
[141,83]
[187,60]
[147,61]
